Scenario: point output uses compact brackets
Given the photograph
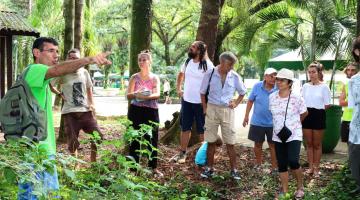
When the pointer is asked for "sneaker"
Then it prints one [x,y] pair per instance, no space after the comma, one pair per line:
[208,173]
[180,158]
[235,175]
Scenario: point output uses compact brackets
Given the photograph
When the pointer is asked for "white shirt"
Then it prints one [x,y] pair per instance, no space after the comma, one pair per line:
[277,106]
[316,96]
[74,87]
[193,80]
[354,102]
[166,86]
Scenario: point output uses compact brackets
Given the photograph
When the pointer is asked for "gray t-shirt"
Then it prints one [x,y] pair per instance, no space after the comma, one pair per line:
[74,87]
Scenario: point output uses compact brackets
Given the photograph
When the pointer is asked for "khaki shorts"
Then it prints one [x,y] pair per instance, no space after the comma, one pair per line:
[219,116]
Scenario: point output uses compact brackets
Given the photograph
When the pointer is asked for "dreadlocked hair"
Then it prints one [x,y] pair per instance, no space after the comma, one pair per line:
[202,55]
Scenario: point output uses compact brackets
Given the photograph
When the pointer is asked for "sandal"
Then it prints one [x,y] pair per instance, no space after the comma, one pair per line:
[309,171]
[299,194]
[157,173]
[317,174]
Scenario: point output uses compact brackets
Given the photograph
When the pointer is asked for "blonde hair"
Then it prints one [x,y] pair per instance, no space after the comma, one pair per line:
[147,53]
[319,68]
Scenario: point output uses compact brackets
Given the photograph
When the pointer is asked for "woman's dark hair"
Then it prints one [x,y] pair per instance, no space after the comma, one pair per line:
[39,43]
[202,47]
[319,68]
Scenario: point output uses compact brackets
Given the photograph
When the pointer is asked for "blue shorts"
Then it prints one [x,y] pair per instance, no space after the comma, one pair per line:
[190,112]
[48,180]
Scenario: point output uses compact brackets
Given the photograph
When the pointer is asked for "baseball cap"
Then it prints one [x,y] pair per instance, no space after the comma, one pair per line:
[270,71]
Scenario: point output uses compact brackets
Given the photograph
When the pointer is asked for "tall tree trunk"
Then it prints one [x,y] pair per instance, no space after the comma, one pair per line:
[140,31]
[167,54]
[210,14]
[208,24]
[358,18]
[68,44]
[69,26]
[79,4]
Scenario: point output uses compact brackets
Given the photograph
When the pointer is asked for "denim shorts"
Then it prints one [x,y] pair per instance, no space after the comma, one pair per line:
[190,112]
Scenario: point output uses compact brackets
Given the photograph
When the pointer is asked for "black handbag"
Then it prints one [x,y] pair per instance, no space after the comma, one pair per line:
[208,88]
[285,132]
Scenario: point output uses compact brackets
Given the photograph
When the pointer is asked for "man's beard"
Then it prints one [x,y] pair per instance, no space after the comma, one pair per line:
[191,54]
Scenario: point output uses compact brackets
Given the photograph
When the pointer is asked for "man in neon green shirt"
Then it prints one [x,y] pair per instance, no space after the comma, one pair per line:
[350,71]
[46,66]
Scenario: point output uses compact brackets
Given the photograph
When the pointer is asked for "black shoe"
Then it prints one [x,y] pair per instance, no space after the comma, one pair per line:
[235,175]
[208,173]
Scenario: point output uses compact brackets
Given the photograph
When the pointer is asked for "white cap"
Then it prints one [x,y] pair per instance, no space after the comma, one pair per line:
[286,74]
[270,71]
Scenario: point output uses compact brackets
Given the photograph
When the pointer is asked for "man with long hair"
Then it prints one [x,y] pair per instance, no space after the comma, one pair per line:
[191,74]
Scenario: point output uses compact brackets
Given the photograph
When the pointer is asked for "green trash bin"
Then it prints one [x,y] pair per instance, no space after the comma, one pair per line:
[333,127]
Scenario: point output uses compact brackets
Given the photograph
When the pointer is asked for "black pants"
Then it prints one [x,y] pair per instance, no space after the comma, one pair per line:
[288,154]
[354,162]
[144,115]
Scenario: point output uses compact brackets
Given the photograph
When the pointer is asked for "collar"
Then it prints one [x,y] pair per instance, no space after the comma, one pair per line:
[263,87]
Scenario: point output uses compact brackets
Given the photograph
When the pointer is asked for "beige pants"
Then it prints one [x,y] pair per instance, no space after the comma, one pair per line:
[219,116]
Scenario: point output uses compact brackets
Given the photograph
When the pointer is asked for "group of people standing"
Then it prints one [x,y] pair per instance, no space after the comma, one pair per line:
[207,94]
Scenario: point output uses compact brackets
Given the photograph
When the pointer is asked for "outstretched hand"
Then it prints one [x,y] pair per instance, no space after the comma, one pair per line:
[100,59]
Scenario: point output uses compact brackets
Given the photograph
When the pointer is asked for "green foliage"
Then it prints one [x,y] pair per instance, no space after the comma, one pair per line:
[339,187]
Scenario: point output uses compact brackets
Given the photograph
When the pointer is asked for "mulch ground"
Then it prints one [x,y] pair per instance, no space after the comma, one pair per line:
[254,184]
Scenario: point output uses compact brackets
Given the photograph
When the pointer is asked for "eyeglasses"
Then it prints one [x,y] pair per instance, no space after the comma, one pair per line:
[50,50]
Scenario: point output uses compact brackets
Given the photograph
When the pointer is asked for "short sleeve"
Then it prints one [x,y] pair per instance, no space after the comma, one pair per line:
[253,93]
[271,102]
[326,95]
[205,83]
[351,102]
[182,68]
[209,64]
[239,85]
[88,79]
[35,77]
[302,106]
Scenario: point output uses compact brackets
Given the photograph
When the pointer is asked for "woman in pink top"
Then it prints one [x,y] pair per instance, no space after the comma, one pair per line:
[144,92]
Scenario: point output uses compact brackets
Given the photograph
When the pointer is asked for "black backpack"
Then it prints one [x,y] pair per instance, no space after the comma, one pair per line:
[20,113]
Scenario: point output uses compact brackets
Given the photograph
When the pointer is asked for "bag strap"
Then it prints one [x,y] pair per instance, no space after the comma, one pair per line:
[287,107]
[208,87]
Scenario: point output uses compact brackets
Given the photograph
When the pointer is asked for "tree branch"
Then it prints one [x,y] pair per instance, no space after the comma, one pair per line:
[178,31]
[182,20]
[160,31]
[180,55]
[158,53]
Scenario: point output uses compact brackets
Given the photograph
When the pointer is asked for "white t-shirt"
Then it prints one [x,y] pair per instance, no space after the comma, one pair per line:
[277,106]
[316,96]
[193,80]
[166,86]
[74,87]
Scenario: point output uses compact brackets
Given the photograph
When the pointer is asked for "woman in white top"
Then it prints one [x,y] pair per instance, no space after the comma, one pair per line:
[317,98]
[288,110]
